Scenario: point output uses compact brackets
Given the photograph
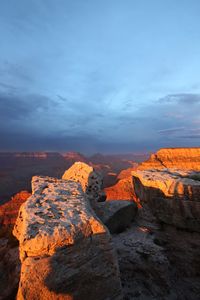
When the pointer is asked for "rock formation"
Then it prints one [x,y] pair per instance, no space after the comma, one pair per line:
[158,262]
[181,158]
[116,215]
[9,268]
[65,251]
[90,180]
[172,195]
[9,211]
[122,190]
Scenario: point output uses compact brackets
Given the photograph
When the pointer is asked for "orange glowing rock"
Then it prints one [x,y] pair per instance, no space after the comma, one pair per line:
[9,210]
[181,158]
[65,250]
[122,190]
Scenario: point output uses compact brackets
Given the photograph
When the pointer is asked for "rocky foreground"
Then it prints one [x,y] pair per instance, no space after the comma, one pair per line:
[65,251]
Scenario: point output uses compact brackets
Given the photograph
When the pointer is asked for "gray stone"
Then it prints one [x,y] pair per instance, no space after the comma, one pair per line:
[117,215]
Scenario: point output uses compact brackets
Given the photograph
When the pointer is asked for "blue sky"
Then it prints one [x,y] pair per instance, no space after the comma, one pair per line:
[99,76]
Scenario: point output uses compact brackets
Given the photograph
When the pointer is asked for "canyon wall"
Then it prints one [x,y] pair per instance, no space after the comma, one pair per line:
[65,251]
[181,158]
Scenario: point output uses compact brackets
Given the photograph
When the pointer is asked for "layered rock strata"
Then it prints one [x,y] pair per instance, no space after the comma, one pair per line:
[65,251]
[172,195]
[181,158]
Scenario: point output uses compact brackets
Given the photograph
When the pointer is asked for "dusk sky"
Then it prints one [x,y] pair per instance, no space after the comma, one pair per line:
[99,76]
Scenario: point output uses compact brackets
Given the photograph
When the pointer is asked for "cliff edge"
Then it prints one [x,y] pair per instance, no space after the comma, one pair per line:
[181,158]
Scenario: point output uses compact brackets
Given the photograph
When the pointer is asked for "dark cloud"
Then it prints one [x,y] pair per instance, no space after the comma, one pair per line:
[15,107]
[186,99]
[39,142]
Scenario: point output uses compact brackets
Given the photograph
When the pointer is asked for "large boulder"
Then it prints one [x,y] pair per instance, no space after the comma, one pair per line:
[117,215]
[65,251]
[90,180]
[172,195]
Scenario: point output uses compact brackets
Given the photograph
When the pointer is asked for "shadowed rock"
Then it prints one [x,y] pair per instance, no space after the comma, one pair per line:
[65,251]
[117,215]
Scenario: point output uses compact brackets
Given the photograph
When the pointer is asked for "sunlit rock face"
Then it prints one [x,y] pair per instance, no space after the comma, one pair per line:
[65,251]
[122,190]
[172,195]
[90,180]
[9,211]
[181,158]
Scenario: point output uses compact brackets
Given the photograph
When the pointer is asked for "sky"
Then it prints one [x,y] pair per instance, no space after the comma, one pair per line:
[108,76]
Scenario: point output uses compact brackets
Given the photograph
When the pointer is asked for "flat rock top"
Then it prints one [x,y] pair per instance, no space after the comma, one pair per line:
[57,214]
[182,158]
[169,181]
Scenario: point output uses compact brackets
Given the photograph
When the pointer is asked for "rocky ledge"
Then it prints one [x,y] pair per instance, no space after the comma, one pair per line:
[182,158]
[65,250]
[172,195]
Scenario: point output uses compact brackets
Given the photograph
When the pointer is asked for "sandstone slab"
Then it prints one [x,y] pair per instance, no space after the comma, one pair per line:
[172,195]
[65,251]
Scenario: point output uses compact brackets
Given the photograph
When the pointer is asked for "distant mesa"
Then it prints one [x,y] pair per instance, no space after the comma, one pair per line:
[181,158]
[74,156]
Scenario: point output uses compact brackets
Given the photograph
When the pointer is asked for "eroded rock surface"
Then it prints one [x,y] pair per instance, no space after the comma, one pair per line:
[117,215]
[181,158]
[65,251]
[172,195]
[158,262]
[90,180]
